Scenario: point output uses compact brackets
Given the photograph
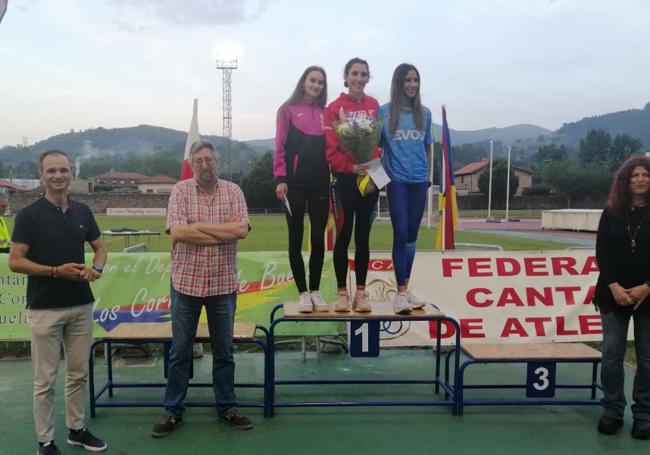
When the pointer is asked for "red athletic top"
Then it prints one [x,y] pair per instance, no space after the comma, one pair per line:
[338,159]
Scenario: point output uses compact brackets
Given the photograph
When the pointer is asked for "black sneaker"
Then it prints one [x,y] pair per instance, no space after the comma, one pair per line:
[609,425]
[49,448]
[236,420]
[166,425]
[87,440]
[641,430]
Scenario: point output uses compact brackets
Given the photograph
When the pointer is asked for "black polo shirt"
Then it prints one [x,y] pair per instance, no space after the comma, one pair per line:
[55,238]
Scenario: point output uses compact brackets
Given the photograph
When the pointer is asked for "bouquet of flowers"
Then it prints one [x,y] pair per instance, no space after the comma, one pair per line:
[360,138]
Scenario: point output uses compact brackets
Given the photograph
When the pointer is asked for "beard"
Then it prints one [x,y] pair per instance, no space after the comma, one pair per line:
[207,177]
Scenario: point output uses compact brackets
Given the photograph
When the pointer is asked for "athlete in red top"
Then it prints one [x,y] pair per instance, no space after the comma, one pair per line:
[349,202]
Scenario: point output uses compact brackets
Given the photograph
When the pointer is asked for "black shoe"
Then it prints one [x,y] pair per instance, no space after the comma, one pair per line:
[48,448]
[609,425]
[87,440]
[166,425]
[236,420]
[641,431]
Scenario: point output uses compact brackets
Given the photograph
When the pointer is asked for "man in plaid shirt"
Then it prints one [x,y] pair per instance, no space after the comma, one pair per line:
[206,217]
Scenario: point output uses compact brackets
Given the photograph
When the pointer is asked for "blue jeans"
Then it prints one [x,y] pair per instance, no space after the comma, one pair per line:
[186,310]
[615,327]
[406,203]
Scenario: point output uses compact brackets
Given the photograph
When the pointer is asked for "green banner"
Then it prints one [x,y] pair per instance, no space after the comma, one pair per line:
[135,288]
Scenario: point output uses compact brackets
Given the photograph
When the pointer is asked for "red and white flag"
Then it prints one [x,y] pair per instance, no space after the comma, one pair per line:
[192,137]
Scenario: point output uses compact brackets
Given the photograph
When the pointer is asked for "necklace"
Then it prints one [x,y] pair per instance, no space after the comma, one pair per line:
[633,236]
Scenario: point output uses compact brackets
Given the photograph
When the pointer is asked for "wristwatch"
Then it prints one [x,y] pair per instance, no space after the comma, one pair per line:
[99,268]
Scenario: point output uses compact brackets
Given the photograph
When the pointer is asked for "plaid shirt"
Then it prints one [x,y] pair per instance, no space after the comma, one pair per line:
[203,270]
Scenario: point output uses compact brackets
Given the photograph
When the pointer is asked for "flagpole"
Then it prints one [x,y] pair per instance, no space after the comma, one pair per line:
[508,186]
[430,193]
[490,184]
[444,184]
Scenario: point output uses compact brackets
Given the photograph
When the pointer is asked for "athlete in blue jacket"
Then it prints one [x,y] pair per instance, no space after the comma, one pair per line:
[406,156]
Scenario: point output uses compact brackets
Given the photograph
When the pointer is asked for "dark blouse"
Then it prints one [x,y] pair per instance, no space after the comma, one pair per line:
[617,260]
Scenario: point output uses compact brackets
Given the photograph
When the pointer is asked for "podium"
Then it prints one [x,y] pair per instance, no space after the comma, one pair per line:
[364,323]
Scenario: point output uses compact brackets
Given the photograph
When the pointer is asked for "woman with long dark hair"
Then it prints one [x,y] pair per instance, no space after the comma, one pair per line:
[406,156]
[352,207]
[623,254]
[302,178]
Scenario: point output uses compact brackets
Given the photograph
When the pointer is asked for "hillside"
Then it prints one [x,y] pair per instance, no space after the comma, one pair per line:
[145,140]
[506,135]
[138,140]
[635,122]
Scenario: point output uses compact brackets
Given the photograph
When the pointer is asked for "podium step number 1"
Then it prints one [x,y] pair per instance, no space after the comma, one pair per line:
[364,338]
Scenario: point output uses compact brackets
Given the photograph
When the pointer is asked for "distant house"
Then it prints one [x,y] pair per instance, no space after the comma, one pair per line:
[158,184]
[8,187]
[118,181]
[466,178]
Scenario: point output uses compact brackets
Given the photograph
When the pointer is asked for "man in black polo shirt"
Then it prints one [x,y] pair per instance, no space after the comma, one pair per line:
[48,245]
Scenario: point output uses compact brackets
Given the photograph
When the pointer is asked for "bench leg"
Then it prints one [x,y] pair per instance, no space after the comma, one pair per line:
[594,380]
[109,367]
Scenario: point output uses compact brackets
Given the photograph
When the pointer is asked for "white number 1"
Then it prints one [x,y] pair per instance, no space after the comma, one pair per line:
[363,331]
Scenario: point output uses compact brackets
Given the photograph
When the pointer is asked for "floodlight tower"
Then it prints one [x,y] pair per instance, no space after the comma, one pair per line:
[227,66]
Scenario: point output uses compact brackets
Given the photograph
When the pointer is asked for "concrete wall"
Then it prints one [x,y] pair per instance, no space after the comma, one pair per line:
[480,202]
[98,202]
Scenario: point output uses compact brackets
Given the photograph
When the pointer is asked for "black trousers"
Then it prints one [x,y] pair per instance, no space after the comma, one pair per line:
[314,201]
[350,204]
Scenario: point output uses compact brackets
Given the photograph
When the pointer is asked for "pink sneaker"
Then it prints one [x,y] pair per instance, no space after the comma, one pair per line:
[305,305]
[361,304]
[342,303]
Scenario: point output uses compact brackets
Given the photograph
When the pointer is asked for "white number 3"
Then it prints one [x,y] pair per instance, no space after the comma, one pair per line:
[542,381]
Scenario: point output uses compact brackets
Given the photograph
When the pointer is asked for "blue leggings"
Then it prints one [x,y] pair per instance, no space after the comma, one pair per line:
[406,203]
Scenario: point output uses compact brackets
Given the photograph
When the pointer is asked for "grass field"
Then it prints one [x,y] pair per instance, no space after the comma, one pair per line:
[270,234]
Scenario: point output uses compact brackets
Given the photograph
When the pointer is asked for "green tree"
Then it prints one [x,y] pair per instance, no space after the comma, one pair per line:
[623,147]
[573,180]
[499,180]
[545,155]
[595,148]
[548,153]
[26,170]
[598,148]
[258,184]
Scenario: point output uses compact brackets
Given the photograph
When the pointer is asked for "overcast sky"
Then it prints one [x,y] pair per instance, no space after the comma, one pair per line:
[78,64]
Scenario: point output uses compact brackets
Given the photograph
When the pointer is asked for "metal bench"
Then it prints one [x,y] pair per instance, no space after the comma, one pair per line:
[541,360]
[140,333]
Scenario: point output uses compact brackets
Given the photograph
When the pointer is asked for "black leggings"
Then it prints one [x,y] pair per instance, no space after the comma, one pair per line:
[350,204]
[316,202]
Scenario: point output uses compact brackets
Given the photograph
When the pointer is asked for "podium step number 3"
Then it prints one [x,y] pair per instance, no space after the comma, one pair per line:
[540,379]
[364,338]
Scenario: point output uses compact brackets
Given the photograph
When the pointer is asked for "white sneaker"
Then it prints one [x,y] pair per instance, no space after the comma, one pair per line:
[401,304]
[342,303]
[361,304]
[305,305]
[318,302]
[415,301]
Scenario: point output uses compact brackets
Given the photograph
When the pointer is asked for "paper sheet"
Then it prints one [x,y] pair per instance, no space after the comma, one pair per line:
[377,173]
